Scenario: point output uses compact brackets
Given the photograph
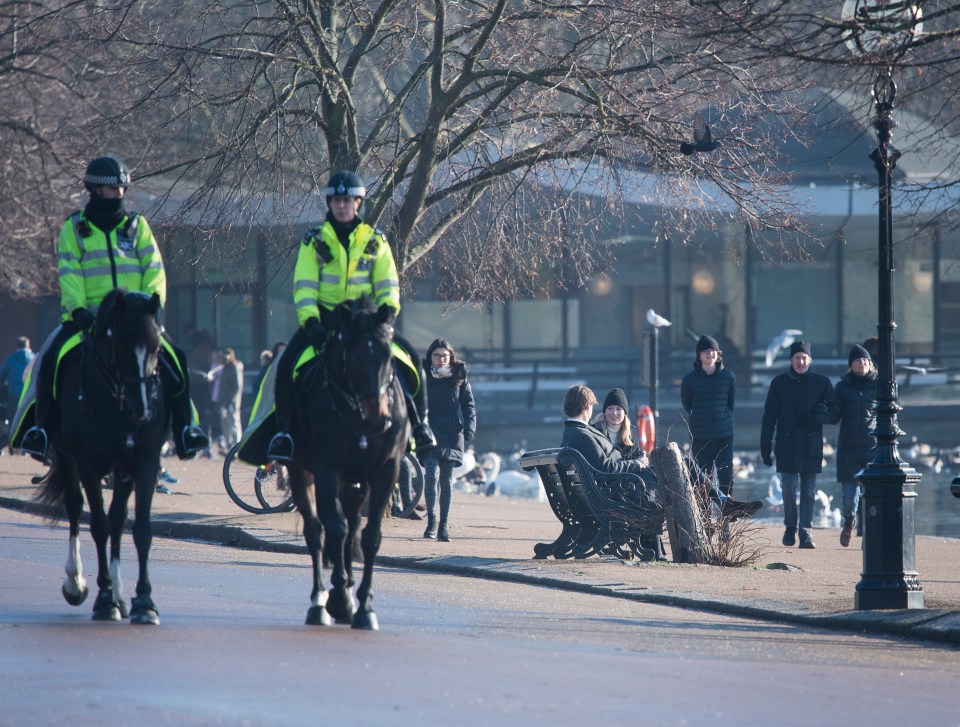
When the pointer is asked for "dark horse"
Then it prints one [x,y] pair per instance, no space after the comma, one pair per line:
[112,420]
[351,432]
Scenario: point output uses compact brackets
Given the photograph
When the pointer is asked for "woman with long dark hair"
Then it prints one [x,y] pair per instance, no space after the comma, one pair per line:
[453,415]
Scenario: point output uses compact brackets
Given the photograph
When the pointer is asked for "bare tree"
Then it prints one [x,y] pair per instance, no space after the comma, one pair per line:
[478,126]
[51,92]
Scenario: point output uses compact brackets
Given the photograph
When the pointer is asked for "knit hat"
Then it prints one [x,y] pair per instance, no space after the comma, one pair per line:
[856,352]
[616,396]
[799,347]
[706,343]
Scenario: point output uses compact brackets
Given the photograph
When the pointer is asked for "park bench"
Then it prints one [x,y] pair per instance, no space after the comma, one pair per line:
[600,513]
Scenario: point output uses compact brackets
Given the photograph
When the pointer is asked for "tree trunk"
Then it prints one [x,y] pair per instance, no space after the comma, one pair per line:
[680,504]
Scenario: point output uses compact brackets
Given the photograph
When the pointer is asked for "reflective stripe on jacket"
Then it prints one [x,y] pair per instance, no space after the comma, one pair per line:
[327,274]
[90,264]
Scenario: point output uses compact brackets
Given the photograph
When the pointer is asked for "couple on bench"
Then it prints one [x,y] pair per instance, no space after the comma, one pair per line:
[606,444]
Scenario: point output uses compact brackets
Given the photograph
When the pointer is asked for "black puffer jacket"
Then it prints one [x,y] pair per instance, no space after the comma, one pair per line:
[856,399]
[796,409]
[708,400]
[453,412]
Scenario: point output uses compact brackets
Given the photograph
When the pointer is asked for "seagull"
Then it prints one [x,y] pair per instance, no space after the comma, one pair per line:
[923,370]
[656,320]
[784,339]
[702,140]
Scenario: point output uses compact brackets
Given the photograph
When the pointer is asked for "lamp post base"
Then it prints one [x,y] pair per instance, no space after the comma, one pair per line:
[889,578]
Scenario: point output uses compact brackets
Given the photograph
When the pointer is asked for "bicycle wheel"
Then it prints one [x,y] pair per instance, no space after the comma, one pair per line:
[412,481]
[273,488]
[242,481]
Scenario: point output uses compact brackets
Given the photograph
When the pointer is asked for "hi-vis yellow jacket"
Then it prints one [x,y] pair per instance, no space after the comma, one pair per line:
[91,264]
[327,275]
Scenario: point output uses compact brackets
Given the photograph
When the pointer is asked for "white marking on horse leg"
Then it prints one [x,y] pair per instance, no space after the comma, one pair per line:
[115,579]
[74,583]
[320,599]
[141,352]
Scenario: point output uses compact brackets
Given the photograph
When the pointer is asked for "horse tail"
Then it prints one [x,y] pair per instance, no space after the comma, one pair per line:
[52,495]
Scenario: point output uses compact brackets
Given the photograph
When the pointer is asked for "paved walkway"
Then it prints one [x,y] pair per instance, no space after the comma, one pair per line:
[493,538]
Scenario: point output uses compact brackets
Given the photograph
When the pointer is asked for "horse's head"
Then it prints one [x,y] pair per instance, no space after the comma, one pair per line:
[365,334]
[128,339]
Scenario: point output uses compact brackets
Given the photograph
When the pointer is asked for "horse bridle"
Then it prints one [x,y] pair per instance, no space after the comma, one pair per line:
[116,382]
[349,396]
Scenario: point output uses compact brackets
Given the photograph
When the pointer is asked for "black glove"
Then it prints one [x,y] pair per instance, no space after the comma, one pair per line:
[316,332]
[820,413]
[84,319]
[767,458]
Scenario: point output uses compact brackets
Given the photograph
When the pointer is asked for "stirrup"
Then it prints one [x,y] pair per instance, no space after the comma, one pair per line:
[38,446]
[280,448]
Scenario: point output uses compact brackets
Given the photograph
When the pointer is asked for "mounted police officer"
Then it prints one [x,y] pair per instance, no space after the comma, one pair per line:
[103,247]
[342,259]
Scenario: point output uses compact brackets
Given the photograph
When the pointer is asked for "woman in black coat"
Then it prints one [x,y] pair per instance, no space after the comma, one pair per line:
[856,394]
[453,418]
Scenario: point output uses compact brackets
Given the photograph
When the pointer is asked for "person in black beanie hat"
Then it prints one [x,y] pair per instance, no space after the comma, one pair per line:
[856,394]
[798,403]
[707,394]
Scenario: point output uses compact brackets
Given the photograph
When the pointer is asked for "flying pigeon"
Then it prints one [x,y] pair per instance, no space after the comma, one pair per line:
[923,370]
[784,339]
[702,140]
[656,320]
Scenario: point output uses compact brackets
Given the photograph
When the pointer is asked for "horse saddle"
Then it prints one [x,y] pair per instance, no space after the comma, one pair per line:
[263,421]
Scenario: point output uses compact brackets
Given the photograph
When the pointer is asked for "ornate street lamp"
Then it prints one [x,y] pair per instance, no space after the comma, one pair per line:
[880,32]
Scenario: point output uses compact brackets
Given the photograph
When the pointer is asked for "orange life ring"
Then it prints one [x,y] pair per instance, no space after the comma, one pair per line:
[646,429]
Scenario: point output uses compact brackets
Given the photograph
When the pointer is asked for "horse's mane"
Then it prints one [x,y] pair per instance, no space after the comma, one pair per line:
[361,317]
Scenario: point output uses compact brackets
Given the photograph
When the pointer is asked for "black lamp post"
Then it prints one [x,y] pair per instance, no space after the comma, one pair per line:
[881,31]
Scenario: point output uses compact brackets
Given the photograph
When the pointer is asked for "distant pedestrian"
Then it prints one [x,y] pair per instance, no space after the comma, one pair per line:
[229,399]
[707,395]
[12,373]
[798,403]
[266,358]
[453,417]
[856,394]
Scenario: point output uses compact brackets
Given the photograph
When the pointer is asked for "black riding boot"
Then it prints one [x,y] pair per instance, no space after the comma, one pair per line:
[35,440]
[188,438]
[280,448]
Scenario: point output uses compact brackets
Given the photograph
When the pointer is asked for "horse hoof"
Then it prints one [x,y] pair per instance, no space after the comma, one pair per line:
[318,616]
[341,606]
[105,607]
[75,599]
[144,612]
[366,620]
[145,616]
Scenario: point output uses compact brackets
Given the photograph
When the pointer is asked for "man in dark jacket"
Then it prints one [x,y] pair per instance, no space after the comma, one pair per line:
[799,402]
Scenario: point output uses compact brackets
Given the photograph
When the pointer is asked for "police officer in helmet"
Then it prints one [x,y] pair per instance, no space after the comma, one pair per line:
[100,248]
[342,259]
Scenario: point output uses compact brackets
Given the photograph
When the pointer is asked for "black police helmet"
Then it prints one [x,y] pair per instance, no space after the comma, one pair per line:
[106,170]
[345,184]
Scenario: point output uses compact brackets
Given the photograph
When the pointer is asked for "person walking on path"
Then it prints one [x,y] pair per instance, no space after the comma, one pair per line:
[454,423]
[12,373]
[856,394]
[798,403]
[230,396]
[707,394]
